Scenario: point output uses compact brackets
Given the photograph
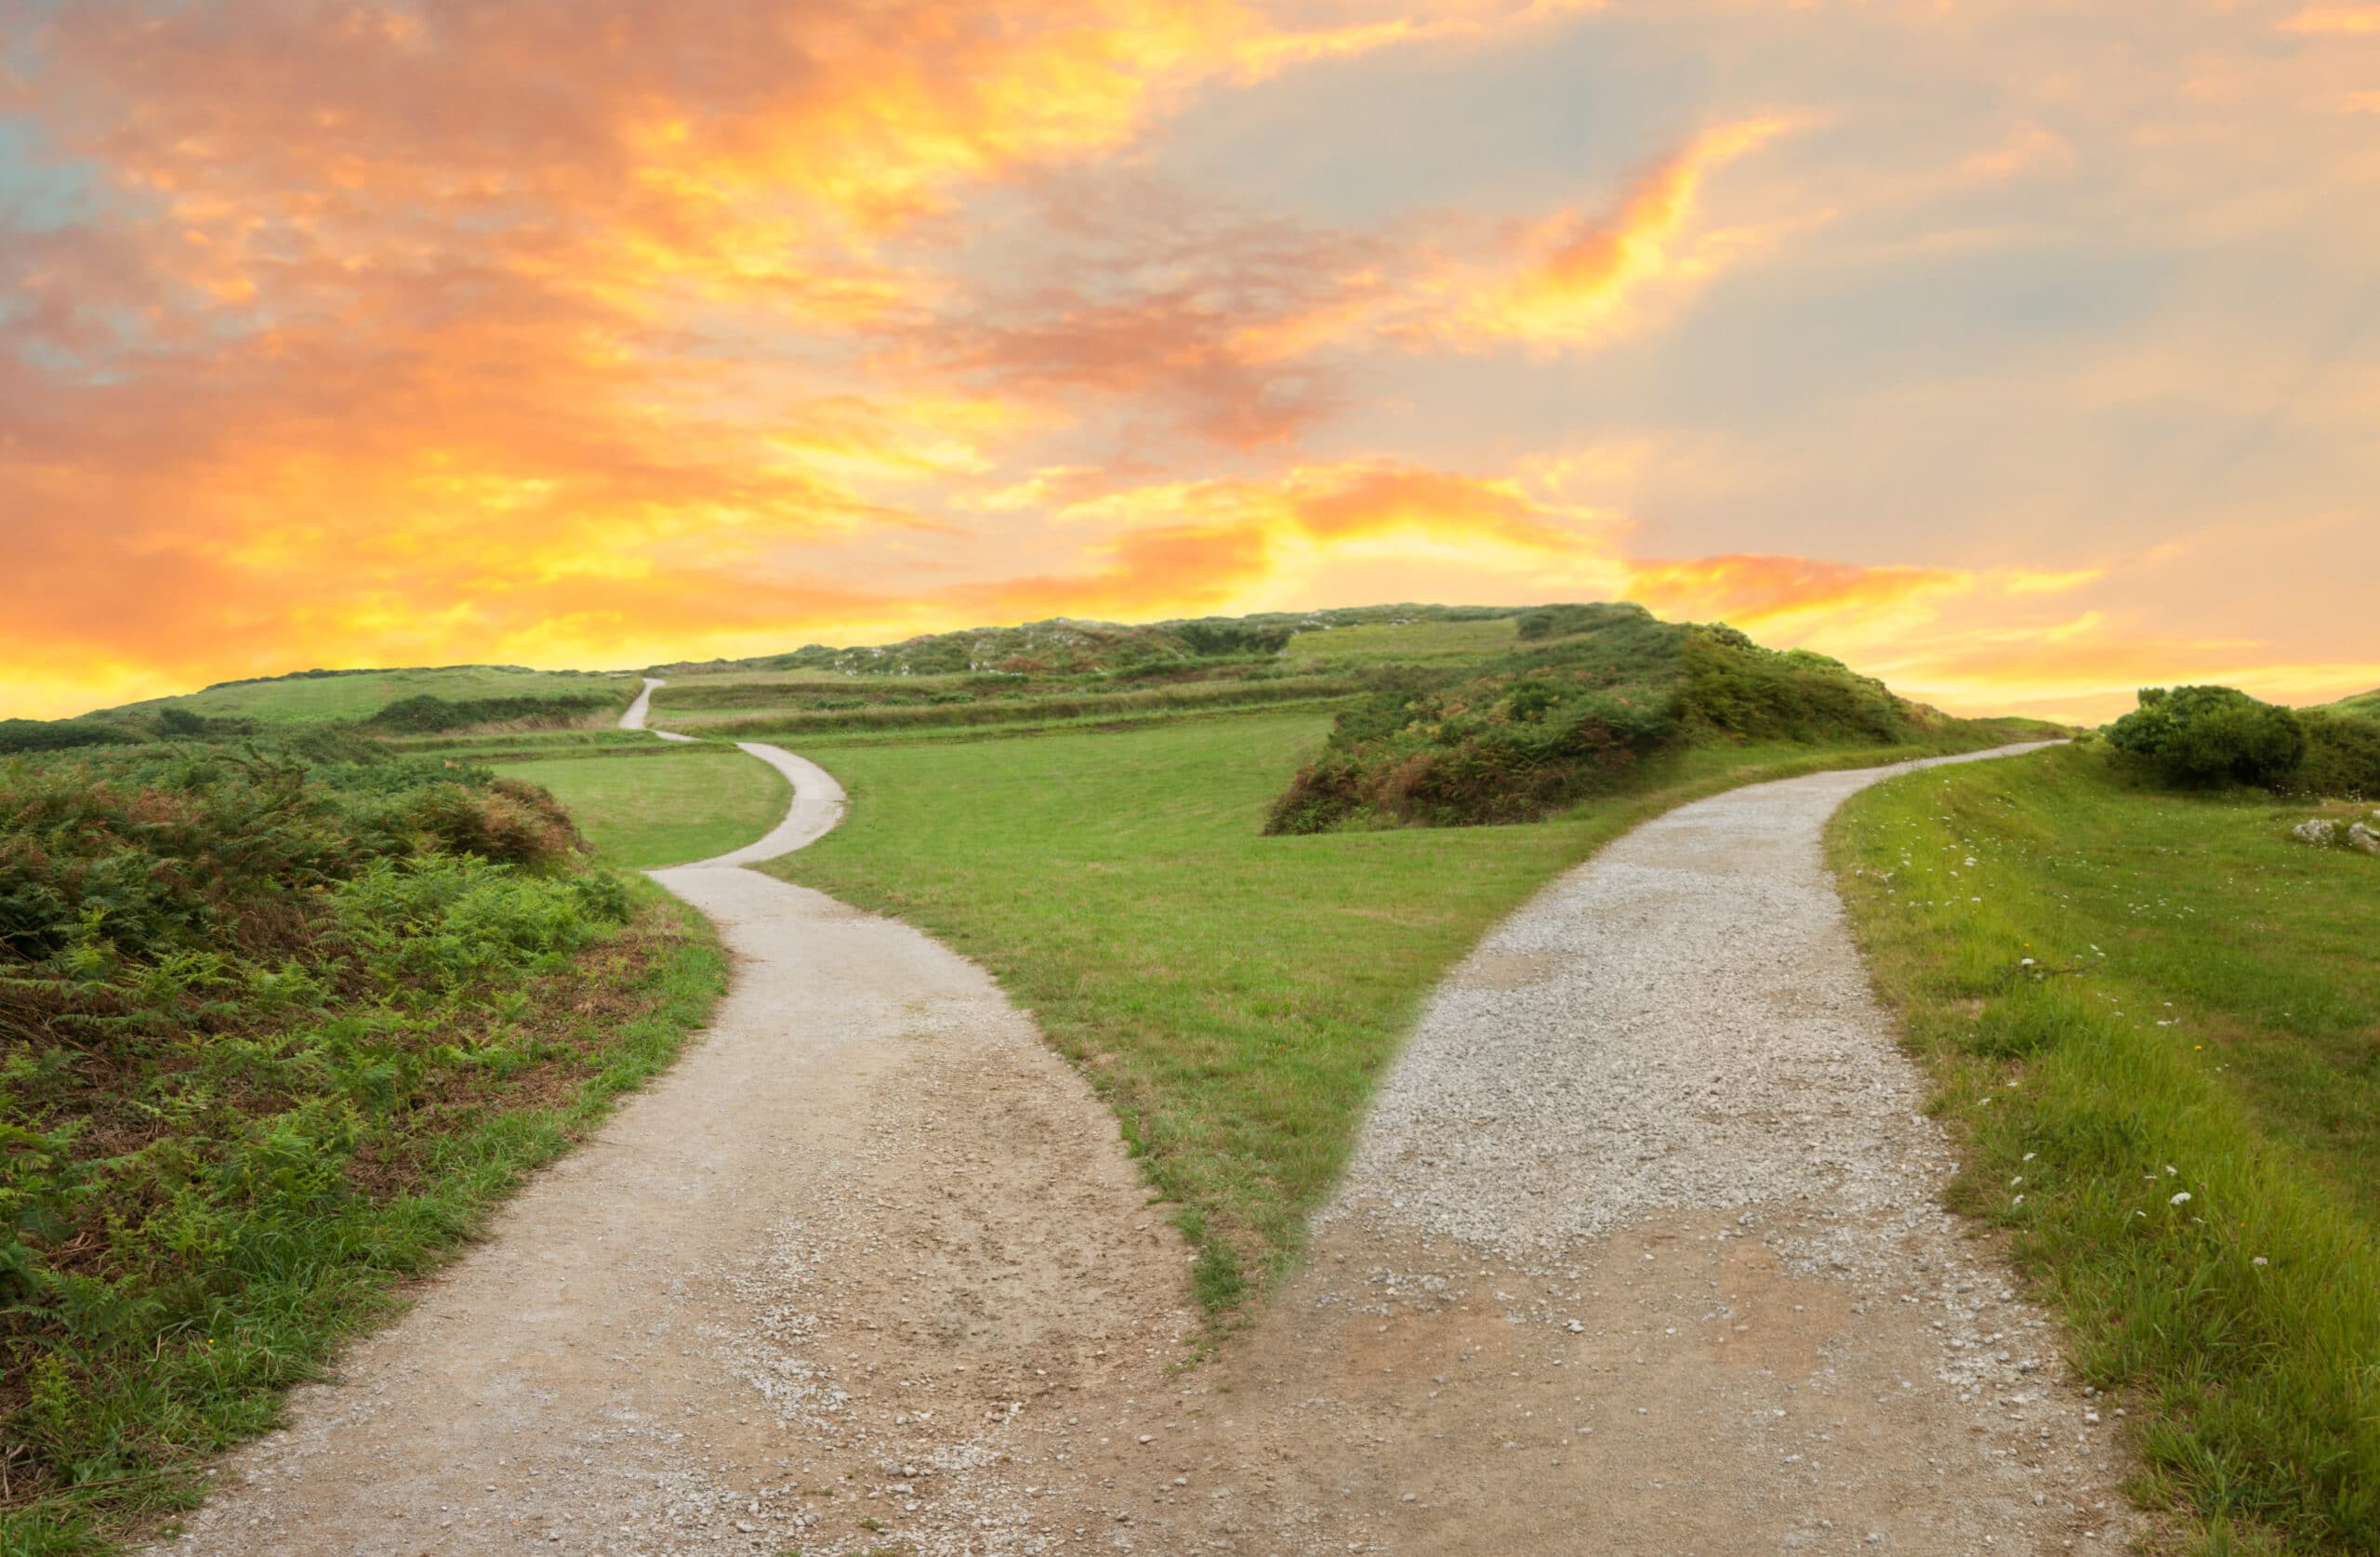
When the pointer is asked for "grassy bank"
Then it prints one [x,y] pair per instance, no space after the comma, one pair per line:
[1234,996]
[663,805]
[273,1039]
[2184,1075]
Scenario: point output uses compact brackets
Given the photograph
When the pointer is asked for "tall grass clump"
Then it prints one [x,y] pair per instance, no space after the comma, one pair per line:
[272,1033]
[2157,1009]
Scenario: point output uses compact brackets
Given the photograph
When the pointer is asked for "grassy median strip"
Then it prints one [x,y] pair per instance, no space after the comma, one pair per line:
[1234,996]
[2152,1017]
[663,804]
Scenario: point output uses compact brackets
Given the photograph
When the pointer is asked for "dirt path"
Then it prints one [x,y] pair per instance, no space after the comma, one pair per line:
[1640,1253]
[861,1229]
[641,709]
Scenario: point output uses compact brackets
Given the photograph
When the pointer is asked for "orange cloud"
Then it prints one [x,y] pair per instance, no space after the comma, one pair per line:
[1570,280]
[394,332]
[1584,274]
[570,332]
[1755,592]
[2351,21]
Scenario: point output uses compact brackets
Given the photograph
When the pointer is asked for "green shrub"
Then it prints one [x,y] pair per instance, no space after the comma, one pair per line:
[428,714]
[508,822]
[1211,639]
[2202,736]
[2342,754]
[28,736]
[1753,692]
[242,1001]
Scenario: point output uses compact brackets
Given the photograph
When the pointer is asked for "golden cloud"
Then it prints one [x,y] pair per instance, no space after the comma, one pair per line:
[1581,275]
[2335,20]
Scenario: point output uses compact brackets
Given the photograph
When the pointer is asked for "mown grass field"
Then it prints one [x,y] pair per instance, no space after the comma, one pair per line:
[663,805]
[2186,1078]
[1234,996]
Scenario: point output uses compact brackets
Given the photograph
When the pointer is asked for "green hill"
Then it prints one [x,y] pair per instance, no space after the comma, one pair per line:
[2363,705]
[1068,646]
[312,696]
[1579,698]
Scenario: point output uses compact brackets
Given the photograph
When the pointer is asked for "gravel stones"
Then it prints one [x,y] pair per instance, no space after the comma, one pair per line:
[1696,1032]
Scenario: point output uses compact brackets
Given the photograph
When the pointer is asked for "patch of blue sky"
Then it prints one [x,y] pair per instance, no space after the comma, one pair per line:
[40,193]
[1546,119]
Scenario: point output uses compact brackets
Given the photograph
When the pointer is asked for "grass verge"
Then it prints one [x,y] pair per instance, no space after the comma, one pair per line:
[663,804]
[1233,997]
[105,1437]
[2186,1076]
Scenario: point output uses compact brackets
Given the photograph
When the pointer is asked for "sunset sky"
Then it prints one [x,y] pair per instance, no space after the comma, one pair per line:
[2017,352]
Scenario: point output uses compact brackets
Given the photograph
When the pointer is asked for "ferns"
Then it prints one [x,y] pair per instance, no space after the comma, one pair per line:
[231,985]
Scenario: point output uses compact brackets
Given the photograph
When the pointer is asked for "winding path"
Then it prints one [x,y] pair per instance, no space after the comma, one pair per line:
[1640,1252]
[835,1250]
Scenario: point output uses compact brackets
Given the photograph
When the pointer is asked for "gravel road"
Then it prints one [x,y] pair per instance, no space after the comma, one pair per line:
[1640,1252]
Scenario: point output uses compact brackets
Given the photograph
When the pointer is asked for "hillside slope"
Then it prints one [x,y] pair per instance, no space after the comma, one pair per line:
[307,695]
[2363,705]
[1583,696]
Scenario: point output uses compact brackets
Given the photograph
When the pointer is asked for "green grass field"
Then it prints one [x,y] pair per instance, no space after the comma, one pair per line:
[524,745]
[2187,1077]
[1234,996]
[1065,704]
[1383,643]
[300,699]
[663,805]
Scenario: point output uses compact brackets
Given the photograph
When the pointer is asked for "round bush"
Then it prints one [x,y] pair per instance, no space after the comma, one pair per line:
[2209,735]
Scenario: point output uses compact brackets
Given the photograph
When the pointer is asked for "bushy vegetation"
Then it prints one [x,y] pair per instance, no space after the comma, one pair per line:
[2363,705]
[2159,1010]
[428,714]
[1601,688]
[18,736]
[2207,737]
[1557,621]
[2342,754]
[272,1033]
[2211,735]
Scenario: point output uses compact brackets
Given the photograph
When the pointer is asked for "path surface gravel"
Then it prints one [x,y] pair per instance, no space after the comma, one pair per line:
[1640,1252]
